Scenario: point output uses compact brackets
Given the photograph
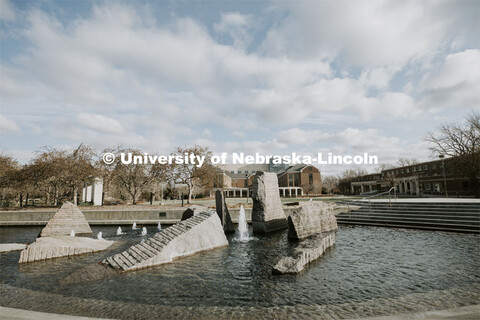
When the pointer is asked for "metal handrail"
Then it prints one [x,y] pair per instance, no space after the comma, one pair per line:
[383,193]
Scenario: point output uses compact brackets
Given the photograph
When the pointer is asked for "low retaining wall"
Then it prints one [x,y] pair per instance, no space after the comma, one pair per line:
[112,217]
[106,217]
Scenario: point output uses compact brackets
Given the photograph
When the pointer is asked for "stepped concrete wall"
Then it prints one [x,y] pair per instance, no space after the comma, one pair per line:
[62,246]
[267,211]
[203,231]
[67,218]
[311,218]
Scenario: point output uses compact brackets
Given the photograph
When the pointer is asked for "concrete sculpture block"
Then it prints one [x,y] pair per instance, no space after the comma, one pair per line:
[311,218]
[267,212]
[307,251]
[202,231]
[62,246]
[223,213]
[66,219]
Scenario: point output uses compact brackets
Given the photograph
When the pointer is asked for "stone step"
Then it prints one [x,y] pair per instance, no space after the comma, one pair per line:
[399,225]
[404,223]
[408,215]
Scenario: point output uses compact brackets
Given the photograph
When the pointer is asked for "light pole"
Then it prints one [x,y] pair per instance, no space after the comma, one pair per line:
[444,176]
[246,184]
[161,201]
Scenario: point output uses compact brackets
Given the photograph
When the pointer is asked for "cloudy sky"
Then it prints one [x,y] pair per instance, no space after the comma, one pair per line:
[246,76]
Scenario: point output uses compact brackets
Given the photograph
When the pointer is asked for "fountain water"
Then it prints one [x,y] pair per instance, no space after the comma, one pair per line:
[119,231]
[243,234]
[72,233]
[99,236]
[134,226]
[159,226]
[144,231]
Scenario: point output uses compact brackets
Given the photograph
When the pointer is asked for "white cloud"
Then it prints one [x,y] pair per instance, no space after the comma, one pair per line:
[120,76]
[7,11]
[7,125]
[236,26]
[371,33]
[99,123]
[456,84]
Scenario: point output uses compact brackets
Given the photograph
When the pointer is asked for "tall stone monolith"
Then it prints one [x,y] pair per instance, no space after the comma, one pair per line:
[222,211]
[267,212]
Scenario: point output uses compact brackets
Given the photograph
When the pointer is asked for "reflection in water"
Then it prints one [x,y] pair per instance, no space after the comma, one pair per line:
[365,263]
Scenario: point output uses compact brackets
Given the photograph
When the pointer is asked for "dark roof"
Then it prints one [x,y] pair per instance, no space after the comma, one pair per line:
[238,175]
[295,168]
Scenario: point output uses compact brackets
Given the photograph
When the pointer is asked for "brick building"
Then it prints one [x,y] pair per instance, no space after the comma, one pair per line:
[292,180]
[426,178]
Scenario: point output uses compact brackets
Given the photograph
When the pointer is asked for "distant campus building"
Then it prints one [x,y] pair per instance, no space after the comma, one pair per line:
[297,180]
[426,178]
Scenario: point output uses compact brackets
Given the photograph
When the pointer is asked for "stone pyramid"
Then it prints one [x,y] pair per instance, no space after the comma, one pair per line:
[66,219]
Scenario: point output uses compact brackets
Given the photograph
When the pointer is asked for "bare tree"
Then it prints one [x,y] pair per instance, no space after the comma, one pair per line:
[190,174]
[9,169]
[346,177]
[460,142]
[81,167]
[330,183]
[132,178]
[403,162]
[58,173]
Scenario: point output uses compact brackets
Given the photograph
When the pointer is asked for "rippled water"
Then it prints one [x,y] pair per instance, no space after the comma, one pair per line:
[365,263]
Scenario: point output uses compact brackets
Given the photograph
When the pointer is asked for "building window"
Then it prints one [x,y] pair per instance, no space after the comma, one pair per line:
[310,169]
[290,180]
[407,170]
[232,171]
[425,167]
[310,179]
[295,180]
[413,169]
[246,171]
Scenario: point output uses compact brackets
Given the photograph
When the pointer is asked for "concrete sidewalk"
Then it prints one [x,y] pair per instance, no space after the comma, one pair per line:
[464,313]
[461,313]
[10,313]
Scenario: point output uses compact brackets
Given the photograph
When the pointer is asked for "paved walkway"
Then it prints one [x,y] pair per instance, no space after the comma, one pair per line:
[464,313]
[461,313]
[6,247]
[428,200]
[10,313]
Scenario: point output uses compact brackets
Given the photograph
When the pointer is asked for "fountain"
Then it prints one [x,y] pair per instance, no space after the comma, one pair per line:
[243,234]
[144,231]
[159,226]
[72,233]
[134,226]
[119,231]
[99,236]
